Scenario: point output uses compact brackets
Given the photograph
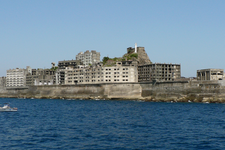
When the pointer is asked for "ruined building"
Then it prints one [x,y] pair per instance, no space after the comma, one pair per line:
[40,77]
[159,72]
[68,63]
[125,71]
[210,74]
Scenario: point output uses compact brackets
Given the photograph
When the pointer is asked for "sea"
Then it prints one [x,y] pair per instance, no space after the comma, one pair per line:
[49,124]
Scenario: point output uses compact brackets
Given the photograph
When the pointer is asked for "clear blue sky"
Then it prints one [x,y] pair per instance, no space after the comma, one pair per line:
[187,32]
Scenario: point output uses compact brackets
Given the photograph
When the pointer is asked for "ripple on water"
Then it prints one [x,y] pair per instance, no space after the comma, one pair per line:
[86,124]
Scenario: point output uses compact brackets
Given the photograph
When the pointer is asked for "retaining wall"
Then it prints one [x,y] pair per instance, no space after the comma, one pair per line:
[181,91]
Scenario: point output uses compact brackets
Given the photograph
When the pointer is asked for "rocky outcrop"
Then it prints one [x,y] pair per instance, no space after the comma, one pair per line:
[142,55]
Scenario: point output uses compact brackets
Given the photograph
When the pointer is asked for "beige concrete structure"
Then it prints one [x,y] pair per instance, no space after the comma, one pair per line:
[159,72]
[88,57]
[2,82]
[68,63]
[17,77]
[125,71]
[210,74]
[40,77]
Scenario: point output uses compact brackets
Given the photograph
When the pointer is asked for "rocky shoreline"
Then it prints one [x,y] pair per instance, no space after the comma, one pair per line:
[184,99]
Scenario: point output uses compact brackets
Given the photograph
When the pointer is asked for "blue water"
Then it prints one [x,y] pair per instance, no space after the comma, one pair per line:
[90,124]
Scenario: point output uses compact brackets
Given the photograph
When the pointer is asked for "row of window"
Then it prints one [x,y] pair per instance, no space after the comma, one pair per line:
[107,80]
[15,81]
[98,73]
[95,70]
[14,85]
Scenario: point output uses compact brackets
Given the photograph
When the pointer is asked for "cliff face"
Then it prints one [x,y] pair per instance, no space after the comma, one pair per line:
[142,55]
[182,91]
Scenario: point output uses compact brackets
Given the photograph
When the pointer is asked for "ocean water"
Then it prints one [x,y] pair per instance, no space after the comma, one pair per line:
[110,124]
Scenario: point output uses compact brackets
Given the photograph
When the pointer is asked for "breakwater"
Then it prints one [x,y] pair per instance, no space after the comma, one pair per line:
[176,91]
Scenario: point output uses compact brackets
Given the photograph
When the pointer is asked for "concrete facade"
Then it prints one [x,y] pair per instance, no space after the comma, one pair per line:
[40,77]
[68,63]
[125,71]
[2,82]
[210,74]
[88,57]
[17,77]
[159,72]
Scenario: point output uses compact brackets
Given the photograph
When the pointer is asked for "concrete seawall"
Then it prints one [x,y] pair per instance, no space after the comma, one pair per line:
[177,91]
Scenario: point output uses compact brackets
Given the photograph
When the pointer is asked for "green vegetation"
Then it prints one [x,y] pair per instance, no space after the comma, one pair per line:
[105,59]
[130,56]
[54,68]
[124,58]
[134,55]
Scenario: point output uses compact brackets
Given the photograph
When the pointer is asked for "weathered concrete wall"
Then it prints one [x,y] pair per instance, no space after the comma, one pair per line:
[108,91]
[124,91]
[184,91]
[180,91]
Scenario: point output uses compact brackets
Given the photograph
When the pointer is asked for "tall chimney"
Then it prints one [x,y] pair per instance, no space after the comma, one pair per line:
[135,47]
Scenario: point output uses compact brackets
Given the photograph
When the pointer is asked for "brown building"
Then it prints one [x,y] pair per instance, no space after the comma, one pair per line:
[159,72]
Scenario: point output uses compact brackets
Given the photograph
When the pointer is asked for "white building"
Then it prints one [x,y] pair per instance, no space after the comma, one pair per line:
[17,77]
[88,58]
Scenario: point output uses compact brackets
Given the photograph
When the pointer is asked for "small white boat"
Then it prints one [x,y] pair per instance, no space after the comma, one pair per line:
[6,107]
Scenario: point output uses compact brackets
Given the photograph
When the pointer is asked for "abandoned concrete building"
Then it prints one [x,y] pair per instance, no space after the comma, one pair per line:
[2,82]
[210,74]
[159,72]
[68,63]
[87,69]
[40,77]
[125,71]
[88,57]
[17,77]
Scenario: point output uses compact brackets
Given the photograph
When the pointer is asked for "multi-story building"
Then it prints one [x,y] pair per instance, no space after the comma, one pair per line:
[17,77]
[159,72]
[210,74]
[68,63]
[40,77]
[60,76]
[125,71]
[62,65]
[88,58]
[2,82]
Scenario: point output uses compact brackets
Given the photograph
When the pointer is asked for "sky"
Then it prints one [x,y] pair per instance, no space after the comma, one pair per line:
[38,32]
